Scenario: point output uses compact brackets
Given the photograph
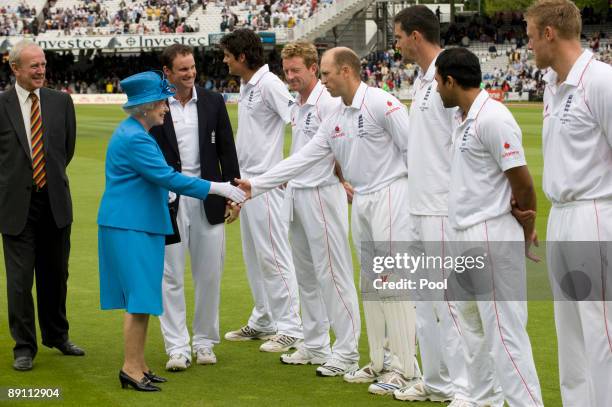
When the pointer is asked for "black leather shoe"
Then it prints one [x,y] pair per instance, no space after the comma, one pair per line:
[143,385]
[23,363]
[155,378]
[70,349]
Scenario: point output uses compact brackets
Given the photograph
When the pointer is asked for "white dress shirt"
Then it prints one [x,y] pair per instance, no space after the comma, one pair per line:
[25,103]
[185,121]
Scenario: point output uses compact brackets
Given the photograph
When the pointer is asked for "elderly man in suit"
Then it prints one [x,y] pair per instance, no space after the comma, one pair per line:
[37,138]
[197,140]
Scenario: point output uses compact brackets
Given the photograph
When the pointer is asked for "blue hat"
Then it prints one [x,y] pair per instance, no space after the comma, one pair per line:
[145,87]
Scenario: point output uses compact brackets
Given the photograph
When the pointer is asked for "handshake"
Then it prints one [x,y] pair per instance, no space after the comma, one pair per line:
[235,196]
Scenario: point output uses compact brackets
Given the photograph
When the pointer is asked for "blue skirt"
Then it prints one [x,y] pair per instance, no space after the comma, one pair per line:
[131,270]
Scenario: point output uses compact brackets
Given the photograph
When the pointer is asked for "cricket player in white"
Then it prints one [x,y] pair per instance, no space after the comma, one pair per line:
[417,34]
[316,205]
[367,137]
[263,111]
[577,144]
[488,167]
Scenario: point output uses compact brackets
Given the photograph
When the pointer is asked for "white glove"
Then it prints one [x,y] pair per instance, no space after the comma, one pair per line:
[228,191]
[171,197]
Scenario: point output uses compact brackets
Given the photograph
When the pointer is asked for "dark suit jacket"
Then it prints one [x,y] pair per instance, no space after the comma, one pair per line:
[218,158]
[59,136]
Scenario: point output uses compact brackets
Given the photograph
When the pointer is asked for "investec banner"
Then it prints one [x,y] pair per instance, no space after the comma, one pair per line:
[116,41]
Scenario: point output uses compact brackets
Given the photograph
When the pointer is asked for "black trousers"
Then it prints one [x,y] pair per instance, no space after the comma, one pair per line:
[42,250]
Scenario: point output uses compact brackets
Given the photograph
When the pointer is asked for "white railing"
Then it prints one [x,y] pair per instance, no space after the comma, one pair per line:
[323,16]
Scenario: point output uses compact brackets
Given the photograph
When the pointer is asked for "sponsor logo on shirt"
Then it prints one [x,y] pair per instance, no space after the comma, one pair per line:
[391,108]
[509,153]
[338,132]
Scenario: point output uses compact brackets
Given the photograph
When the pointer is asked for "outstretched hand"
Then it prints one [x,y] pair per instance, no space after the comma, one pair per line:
[245,186]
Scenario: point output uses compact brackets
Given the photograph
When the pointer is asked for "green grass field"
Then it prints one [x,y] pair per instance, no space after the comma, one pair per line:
[243,375]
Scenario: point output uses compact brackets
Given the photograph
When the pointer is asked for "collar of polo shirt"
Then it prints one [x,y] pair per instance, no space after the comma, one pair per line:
[574,75]
[313,97]
[480,100]
[258,75]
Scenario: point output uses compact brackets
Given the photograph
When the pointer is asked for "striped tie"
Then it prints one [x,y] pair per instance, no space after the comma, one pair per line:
[38,156]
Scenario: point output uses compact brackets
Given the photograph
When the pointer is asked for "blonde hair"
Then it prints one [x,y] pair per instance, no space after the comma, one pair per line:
[562,15]
[305,50]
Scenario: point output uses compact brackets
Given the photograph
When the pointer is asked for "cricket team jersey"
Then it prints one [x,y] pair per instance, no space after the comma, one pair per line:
[429,147]
[485,144]
[368,139]
[306,118]
[577,132]
[264,108]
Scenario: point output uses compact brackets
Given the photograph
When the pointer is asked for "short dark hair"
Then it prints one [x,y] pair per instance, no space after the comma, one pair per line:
[462,65]
[244,41]
[419,18]
[171,52]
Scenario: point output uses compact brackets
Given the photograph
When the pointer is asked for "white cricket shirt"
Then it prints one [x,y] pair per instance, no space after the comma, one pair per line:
[485,144]
[429,148]
[185,122]
[263,111]
[577,132]
[368,139]
[306,118]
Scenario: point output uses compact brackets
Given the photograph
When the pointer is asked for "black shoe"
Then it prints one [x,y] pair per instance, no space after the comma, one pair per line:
[70,349]
[23,363]
[143,385]
[155,378]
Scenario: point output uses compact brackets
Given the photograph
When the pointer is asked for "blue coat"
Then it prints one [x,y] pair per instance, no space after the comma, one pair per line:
[138,180]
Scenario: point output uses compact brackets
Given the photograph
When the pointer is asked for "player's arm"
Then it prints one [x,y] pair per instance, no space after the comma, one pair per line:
[502,138]
[600,103]
[277,97]
[314,151]
[348,188]
[395,122]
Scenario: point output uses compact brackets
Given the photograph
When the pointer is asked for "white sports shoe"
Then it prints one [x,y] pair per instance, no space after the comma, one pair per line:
[364,375]
[280,343]
[335,367]
[177,362]
[389,382]
[246,333]
[206,356]
[418,392]
[301,357]
[461,403]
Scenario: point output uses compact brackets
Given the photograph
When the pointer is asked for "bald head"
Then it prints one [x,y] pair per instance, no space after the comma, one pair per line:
[344,57]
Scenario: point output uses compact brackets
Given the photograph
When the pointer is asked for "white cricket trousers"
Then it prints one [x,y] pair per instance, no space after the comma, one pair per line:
[382,217]
[267,255]
[206,246]
[494,328]
[584,328]
[437,325]
[318,232]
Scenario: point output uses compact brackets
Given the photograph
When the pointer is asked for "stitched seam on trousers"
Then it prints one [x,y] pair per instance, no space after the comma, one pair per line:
[603,280]
[276,260]
[331,268]
[450,310]
[499,322]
